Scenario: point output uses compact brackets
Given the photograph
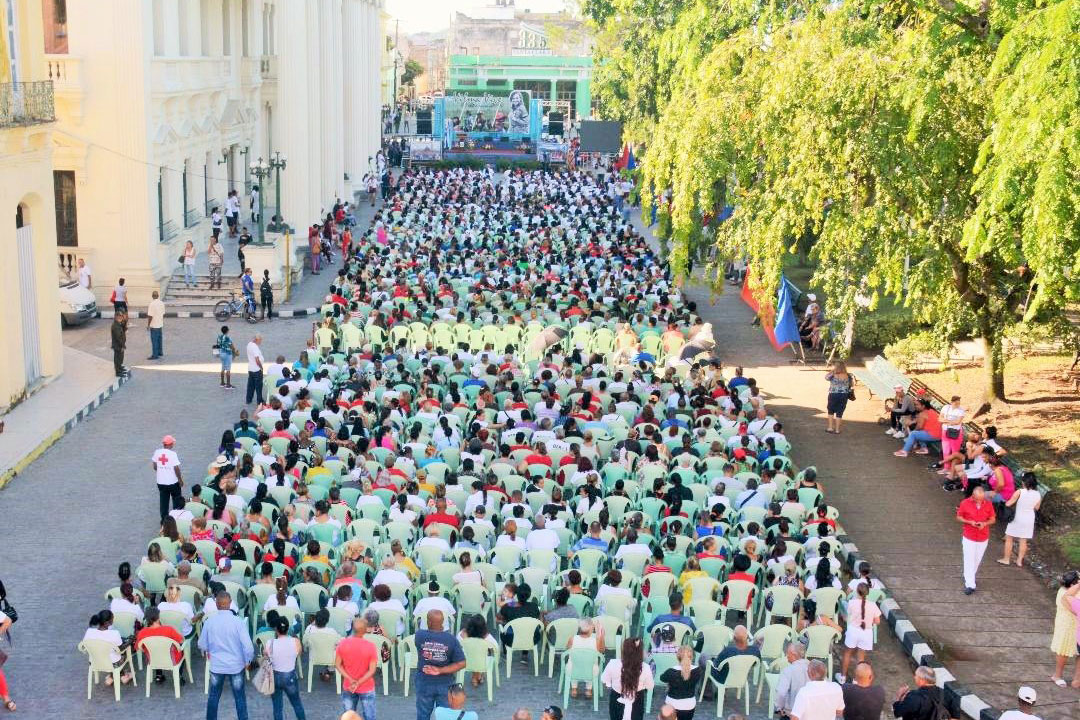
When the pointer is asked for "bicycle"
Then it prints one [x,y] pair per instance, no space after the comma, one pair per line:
[226,309]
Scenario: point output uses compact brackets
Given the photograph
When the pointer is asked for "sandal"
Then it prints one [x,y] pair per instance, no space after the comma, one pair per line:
[999,561]
[1060,682]
[10,704]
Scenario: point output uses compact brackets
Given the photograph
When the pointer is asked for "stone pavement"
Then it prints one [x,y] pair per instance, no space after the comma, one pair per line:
[44,417]
[903,523]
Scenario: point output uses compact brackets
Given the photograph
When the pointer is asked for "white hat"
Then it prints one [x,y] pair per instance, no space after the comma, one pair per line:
[220,461]
[1026,694]
[811,297]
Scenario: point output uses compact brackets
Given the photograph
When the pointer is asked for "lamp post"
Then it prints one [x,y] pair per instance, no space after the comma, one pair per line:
[277,164]
[260,169]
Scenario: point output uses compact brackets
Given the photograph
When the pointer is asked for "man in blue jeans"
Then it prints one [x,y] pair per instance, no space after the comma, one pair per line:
[439,658]
[228,647]
[357,659]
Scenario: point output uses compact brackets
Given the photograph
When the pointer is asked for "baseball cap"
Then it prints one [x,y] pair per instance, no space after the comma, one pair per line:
[740,454]
[554,711]
[168,440]
[1026,694]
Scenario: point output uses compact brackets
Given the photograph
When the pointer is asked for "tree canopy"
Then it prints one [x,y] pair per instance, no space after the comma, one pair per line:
[930,147]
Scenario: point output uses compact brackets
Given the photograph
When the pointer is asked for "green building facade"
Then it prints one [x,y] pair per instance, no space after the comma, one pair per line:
[545,76]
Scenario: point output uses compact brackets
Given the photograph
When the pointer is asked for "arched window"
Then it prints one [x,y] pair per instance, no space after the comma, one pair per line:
[22,215]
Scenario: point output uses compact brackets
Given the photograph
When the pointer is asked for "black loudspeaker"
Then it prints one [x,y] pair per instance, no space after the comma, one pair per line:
[423,122]
[555,123]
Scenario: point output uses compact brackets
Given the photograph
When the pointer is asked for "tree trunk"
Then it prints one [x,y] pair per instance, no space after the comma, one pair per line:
[994,364]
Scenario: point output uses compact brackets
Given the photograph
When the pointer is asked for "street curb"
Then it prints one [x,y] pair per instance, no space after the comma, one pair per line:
[80,415]
[959,700]
[136,314]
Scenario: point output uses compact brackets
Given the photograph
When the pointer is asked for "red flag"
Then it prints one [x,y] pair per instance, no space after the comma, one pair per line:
[624,159]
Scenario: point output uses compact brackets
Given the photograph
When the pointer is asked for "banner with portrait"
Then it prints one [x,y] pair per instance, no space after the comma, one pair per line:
[489,113]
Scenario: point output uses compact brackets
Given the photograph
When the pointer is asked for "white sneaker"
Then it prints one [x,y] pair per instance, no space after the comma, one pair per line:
[890,432]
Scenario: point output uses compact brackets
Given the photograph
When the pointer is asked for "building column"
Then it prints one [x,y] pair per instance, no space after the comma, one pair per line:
[170,22]
[376,41]
[293,118]
[331,86]
[353,76]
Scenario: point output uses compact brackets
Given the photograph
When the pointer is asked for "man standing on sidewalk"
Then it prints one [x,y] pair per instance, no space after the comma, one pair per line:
[118,334]
[255,370]
[155,323]
[224,638]
[166,466]
[977,515]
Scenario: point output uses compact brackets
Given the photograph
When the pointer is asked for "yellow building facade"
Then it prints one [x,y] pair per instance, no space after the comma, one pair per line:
[31,351]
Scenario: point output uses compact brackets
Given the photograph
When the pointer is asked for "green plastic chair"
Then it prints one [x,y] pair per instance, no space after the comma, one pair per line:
[525,629]
[99,654]
[480,658]
[819,643]
[386,669]
[408,659]
[159,657]
[557,635]
[581,665]
[712,639]
[321,647]
[783,602]
[739,668]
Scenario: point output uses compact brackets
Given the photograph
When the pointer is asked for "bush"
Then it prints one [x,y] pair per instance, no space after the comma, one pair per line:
[874,331]
[907,352]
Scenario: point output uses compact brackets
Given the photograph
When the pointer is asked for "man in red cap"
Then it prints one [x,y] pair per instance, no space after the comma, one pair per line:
[166,466]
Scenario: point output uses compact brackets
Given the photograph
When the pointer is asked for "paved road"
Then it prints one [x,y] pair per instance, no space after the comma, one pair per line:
[904,524]
[93,496]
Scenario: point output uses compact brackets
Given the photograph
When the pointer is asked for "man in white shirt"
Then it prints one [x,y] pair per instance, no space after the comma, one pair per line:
[819,699]
[166,466]
[389,574]
[762,424]
[86,276]
[255,370]
[1026,697]
[434,601]
[633,547]
[155,323]
[541,537]
[433,539]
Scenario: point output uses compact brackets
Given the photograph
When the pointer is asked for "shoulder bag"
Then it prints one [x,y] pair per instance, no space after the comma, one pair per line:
[264,676]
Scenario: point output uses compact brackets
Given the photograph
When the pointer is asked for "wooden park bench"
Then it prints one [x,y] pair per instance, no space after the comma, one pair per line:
[881,378]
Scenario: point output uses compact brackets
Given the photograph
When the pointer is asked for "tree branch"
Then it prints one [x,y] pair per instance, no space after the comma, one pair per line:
[978,24]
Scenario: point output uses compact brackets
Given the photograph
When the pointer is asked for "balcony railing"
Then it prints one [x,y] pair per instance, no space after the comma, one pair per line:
[268,67]
[26,103]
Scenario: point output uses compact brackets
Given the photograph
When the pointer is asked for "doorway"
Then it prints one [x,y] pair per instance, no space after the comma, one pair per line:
[24,238]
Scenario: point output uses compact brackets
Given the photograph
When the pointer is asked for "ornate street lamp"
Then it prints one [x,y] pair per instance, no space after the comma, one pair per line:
[277,164]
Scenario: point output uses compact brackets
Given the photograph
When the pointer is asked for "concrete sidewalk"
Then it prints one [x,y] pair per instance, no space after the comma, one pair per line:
[43,418]
[903,523]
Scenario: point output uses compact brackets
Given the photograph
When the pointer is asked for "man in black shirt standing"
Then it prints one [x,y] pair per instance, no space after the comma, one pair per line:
[921,703]
[862,699]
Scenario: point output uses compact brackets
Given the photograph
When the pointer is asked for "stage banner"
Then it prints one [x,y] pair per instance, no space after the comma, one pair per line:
[766,312]
[488,113]
[425,149]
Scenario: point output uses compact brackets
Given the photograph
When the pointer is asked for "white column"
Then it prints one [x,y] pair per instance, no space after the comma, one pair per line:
[376,42]
[351,77]
[312,72]
[170,23]
[364,70]
[292,118]
[329,113]
[338,119]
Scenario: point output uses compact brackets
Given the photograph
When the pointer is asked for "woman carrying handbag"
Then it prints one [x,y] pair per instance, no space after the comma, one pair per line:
[283,651]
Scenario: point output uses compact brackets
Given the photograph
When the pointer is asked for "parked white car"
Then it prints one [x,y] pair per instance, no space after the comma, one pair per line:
[77,304]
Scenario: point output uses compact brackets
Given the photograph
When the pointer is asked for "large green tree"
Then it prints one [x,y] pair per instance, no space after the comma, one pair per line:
[930,147]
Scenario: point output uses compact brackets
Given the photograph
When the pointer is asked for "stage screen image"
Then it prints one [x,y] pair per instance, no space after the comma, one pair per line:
[600,136]
[488,113]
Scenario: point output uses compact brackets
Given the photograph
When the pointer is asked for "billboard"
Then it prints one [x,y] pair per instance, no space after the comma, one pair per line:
[599,136]
[488,113]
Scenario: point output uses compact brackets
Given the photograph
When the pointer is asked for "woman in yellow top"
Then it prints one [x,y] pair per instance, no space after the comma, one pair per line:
[1063,644]
[691,571]
[403,562]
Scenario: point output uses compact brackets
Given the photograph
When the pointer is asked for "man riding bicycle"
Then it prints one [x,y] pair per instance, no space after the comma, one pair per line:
[248,285]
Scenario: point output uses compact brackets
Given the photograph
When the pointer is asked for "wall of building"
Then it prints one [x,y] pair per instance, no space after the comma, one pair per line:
[26,179]
[158,96]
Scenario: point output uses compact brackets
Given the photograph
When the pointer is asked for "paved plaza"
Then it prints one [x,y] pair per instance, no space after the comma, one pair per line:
[90,502]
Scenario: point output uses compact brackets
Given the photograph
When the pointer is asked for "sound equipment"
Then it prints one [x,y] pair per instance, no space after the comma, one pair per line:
[423,122]
[555,123]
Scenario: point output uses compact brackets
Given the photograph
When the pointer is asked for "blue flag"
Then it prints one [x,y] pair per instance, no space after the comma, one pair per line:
[787,328]
[630,162]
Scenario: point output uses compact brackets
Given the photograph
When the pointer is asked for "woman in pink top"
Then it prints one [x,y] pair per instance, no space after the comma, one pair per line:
[1001,481]
[862,616]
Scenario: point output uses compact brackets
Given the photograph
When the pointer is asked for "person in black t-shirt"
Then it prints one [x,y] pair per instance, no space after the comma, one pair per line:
[862,699]
[526,607]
